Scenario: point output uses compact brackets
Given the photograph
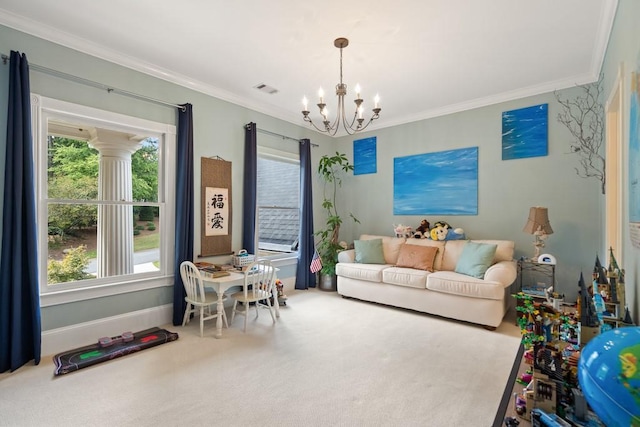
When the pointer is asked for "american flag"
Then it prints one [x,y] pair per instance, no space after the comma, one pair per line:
[316,263]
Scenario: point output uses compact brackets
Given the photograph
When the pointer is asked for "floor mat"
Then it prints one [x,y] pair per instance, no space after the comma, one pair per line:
[79,358]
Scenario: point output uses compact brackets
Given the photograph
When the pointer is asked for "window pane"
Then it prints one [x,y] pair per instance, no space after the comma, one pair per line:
[74,242]
[278,204]
[72,169]
[144,170]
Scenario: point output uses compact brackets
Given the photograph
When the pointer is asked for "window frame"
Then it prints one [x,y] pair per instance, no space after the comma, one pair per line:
[43,109]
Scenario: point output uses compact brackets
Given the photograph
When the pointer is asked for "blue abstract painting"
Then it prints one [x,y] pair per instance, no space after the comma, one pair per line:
[364,156]
[442,183]
[524,132]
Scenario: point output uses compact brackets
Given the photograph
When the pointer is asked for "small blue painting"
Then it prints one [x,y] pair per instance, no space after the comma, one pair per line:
[524,132]
[442,183]
[364,156]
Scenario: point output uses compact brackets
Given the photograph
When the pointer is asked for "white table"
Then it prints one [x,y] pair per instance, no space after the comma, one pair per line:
[221,284]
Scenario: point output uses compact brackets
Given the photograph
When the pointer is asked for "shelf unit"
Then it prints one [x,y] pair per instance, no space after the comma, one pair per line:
[534,277]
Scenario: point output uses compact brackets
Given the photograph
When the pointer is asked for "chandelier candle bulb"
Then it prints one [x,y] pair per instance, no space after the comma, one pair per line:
[321,95]
[305,102]
[376,101]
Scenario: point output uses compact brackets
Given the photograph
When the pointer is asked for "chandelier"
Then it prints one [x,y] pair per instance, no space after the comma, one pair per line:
[341,118]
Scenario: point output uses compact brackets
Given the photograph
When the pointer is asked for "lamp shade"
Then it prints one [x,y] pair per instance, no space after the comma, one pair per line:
[538,218]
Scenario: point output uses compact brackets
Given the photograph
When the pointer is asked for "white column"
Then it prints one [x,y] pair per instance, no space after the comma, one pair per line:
[115,223]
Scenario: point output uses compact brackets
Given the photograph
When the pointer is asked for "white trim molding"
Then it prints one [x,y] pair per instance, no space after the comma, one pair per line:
[61,339]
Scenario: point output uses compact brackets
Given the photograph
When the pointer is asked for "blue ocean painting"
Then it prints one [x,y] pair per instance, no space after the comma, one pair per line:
[441,183]
[364,156]
[524,132]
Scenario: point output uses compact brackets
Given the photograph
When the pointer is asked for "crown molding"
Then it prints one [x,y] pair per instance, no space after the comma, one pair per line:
[62,38]
[54,35]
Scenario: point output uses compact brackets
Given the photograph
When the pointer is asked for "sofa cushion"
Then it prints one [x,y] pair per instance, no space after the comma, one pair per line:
[415,256]
[402,276]
[366,272]
[369,251]
[459,284]
[475,259]
[453,250]
[440,244]
[390,246]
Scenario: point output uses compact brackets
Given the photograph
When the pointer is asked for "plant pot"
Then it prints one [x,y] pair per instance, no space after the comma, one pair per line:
[328,282]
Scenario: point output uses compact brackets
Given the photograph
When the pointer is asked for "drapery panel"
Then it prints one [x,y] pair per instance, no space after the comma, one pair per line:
[250,190]
[184,206]
[304,277]
[20,325]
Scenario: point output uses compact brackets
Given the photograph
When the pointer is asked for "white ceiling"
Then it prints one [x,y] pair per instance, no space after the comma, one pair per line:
[424,58]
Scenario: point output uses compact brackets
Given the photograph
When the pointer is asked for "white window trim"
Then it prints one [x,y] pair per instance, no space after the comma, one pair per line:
[42,109]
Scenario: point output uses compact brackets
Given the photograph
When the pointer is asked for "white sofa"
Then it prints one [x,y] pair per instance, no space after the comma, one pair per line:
[442,292]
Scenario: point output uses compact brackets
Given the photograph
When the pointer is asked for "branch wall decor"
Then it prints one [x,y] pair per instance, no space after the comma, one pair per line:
[584,117]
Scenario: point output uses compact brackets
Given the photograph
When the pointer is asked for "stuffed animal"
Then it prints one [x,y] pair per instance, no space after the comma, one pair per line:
[443,231]
[440,230]
[402,230]
[423,230]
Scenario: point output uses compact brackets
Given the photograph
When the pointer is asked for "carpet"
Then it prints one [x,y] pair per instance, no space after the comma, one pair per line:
[327,361]
[73,360]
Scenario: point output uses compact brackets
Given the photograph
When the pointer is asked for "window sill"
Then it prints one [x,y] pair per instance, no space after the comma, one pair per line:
[81,294]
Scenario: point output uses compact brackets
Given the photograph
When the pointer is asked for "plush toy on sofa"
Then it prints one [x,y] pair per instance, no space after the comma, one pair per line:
[422,232]
[439,230]
[443,231]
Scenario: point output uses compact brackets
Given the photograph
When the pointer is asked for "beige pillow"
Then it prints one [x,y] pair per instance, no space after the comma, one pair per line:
[418,257]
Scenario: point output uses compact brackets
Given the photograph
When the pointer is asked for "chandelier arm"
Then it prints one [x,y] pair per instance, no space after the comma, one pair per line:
[308,120]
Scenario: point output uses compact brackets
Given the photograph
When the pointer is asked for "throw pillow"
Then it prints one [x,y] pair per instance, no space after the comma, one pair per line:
[418,257]
[369,251]
[475,259]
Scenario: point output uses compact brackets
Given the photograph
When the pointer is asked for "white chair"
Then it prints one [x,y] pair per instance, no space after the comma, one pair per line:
[197,297]
[257,289]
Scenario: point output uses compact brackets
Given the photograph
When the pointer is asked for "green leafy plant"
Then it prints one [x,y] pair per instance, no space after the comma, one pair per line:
[71,267]
[331,170]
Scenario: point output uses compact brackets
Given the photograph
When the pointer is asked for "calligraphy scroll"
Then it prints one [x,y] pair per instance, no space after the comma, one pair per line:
[215,181]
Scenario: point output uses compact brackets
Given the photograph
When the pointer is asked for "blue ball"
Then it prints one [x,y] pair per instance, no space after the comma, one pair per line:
[609,375]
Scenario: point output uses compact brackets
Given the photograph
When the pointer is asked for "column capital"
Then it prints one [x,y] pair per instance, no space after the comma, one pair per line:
[113,143]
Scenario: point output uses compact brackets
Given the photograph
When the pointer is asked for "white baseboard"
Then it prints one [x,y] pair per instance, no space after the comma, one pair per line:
[58,340]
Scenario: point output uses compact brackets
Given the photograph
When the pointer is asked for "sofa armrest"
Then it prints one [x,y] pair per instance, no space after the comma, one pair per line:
[504,272]
[347,256]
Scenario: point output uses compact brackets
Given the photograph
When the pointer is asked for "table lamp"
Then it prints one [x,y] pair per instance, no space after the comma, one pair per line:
[538,225]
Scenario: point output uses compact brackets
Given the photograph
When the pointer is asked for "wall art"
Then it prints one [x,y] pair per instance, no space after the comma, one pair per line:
[364,156]
[440,183]
[525,132]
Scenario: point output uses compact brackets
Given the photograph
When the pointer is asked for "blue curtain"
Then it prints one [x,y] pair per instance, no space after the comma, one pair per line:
[250,191]
[20,325]
[184,207]
[304,277]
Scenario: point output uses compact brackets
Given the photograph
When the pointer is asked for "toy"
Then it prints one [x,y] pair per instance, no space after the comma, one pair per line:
[108,341]
[443,231]
[402,230]
[439,230]
[423,230]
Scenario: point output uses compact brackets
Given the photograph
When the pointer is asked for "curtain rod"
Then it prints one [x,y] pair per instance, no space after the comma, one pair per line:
[282,136]
[91,83]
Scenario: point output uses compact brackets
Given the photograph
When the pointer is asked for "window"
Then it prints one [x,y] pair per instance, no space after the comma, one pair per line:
[278,201]
[105,211]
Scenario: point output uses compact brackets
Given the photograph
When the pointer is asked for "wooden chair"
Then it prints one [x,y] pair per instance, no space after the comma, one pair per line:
[259,280]
[197,299]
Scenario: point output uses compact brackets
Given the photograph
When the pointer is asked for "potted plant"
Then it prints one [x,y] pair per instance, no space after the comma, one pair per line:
[331,170]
